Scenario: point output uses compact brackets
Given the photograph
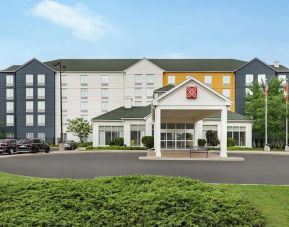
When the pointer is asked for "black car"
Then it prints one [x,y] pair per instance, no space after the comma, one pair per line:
[8,146]
[70,145]
[33,145]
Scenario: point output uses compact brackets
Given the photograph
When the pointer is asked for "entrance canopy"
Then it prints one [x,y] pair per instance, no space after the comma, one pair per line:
[190,102]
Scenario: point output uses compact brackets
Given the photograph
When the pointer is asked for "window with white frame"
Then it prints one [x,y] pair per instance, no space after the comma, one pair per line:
[137,132]
[248,91]
[29,120]
[226,93]
[150,79]
[104,80]
[150,92]
[29,93]
[41,93]
[171,79]
[10,135]
[41,106]
[29,135]
[104,106]
[104,93]
[226,80]
[84,93]
[208,80]
[29,79]
[207,128]
[83,79]
[138,79]
[9,107]
[64,93]
[10,93]
[9,80]
[261,78]
[41,79]
[41,136]
[9,120]
[83,106]
[109,133]
[282,78]
[29,106]
[138,92]
[41,120]
[249,79]
[237,133]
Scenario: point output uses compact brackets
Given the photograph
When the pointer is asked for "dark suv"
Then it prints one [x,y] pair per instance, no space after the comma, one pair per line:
[8,146]
[33,145]
[70,145]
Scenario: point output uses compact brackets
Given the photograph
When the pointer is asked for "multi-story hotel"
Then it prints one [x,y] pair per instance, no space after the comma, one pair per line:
[100,89]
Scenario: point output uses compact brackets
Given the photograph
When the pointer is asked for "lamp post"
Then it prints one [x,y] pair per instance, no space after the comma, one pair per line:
[61,70]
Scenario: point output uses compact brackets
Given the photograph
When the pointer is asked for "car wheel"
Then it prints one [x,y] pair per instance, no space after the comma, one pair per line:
[47,150]
[34,150]
[11,151]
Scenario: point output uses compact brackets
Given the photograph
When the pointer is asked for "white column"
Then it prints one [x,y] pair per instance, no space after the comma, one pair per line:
[223,152]
[157,132]
[126,133]
[95,135]
[196,133]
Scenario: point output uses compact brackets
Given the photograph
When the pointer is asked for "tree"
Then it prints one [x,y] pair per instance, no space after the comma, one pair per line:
[212,138]
[2,132]
[79,127]
[255,108]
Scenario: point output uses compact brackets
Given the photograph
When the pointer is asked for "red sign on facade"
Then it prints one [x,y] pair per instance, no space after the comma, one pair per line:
[192,92]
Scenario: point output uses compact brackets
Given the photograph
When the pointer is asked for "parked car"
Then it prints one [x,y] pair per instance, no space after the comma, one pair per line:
[33,145]
[8,146]
[70,145]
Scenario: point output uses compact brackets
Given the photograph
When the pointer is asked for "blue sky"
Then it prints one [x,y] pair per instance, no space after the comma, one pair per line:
[50,29]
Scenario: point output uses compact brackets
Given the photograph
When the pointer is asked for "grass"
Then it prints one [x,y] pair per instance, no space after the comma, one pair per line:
[272,201]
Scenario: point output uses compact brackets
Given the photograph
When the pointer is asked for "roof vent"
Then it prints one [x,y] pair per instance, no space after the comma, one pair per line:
[276,64]
[127,102]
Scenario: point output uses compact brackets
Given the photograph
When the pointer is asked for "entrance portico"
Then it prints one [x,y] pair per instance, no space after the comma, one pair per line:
[185,106]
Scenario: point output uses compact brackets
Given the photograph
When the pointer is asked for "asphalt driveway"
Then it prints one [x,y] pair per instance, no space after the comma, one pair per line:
[256,169]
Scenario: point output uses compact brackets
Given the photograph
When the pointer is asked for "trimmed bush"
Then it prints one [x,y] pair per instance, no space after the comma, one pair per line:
[231,142]
[114,148]
[202,142]
[148,141]
[122,201]
[85,144]
[116,142]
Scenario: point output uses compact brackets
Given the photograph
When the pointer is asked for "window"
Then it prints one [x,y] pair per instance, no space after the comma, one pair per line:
[282,78]
[83,106]
[9,107]
[41,79]
[226,80]
[137,132]
[41,93]
[138,92]
[138,79]
[109,133]
[104,80]
[171,80]
[10,93]
[29,106]
[104,106]
[41,136]
[261,78]
[10,135]
[64,80]
[104,93]
[150,92]
[84,93]
[29,120]
[29,93]
[237,133]
[9,120]
[41,120]
[207,128]
[226,93]
[41,106]
[150,79]
[248,91]
[208,80]
[64,93]
[9,80]
[29,135]
[249,79]
[29,79]
[138,103]
[83,79]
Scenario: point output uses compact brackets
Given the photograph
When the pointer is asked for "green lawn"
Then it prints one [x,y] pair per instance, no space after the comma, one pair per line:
[272,201]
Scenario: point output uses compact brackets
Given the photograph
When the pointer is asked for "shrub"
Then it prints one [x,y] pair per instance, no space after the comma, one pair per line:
[122,201]
[85,144]
[114,148]
[231,142]
[212,138]
[116,142]
[202,142]
[148,141]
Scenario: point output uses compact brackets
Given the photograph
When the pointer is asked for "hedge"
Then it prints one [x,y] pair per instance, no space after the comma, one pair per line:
[114,148]
[122,201]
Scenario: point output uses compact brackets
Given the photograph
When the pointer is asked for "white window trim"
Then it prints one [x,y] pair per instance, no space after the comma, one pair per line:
[31,117]
[247,76]
[40,118]
[8,118]
[29,110]
[29,79]
[171,79]
[9,80]
[41,82]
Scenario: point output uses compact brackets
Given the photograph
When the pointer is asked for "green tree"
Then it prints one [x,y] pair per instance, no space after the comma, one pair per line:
[212,138]
[79,127]
[2,131]
[255,108]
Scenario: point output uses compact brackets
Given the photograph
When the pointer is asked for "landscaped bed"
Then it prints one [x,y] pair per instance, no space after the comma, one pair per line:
[122,201]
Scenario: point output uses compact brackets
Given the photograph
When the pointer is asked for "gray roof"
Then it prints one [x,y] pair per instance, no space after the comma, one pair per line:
[121,113]
[280,69]
[12,68]
[232,116]
[164,88]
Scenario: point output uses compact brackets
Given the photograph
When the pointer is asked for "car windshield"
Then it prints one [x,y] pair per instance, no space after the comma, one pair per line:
[25,141]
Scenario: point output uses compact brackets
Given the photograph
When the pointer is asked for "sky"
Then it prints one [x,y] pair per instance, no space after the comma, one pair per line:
[52,29]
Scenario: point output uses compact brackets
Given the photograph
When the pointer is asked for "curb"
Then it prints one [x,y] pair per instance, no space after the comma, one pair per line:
[228,159]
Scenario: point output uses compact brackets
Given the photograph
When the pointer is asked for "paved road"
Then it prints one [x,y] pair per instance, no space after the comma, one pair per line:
[256,169]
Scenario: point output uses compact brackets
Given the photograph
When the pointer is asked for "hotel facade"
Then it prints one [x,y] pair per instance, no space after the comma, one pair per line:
[122,98]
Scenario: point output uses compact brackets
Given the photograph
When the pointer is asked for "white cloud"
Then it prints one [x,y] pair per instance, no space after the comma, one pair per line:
[82,22]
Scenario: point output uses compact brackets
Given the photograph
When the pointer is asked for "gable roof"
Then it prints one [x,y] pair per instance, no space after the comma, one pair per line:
[164,88]
[262,62]
[280,69]
[135,112]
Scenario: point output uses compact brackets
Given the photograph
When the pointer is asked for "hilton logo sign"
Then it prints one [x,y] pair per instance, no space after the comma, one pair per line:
[192,92]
